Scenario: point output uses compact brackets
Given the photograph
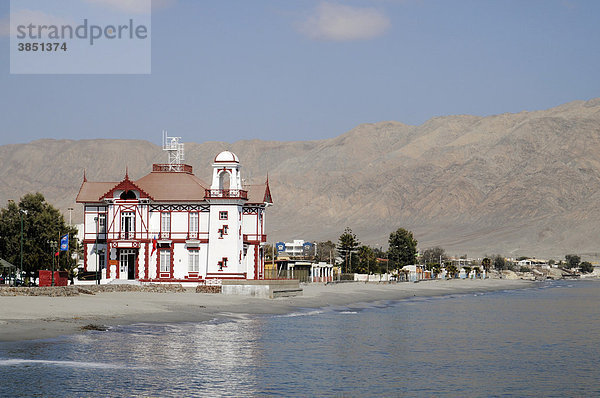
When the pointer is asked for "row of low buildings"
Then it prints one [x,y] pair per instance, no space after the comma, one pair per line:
[293,260]
[417,272]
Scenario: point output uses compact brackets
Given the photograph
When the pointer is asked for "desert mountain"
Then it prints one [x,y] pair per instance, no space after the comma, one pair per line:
[516,184]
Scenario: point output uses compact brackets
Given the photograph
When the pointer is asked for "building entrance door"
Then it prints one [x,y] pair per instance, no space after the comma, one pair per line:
[127,261]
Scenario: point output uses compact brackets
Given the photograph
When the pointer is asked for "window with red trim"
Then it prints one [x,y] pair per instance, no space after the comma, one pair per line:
[165,222]
[193,260]
[223,215]
[223,231]
[193,227]
[165,260]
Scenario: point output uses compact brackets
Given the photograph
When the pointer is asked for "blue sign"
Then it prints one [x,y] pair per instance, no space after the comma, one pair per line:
[280,246]
[64,243]
[307,246]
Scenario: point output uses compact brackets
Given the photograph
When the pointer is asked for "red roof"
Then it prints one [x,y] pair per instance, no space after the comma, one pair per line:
[165,186]
[173,187]
[159,186]
[259,193]
[92,191]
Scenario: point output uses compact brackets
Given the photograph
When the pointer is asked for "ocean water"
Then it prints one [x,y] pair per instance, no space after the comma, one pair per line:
[541,341]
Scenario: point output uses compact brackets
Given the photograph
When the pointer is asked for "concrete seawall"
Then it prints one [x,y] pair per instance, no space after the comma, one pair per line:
[262,288]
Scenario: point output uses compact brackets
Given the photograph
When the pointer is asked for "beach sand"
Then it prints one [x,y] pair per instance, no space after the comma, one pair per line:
[27,317]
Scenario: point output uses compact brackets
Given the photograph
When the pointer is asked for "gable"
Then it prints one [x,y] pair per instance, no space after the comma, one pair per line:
[127,187]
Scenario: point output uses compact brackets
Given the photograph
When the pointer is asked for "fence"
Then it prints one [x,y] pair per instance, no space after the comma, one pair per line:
[303,275]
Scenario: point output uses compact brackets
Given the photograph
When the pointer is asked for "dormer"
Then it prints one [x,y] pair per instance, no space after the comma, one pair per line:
[126,190]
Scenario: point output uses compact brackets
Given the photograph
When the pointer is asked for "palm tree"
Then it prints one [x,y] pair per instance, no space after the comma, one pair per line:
[451,270]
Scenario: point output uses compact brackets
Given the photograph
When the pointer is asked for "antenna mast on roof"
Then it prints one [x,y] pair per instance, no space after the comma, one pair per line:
[175,151]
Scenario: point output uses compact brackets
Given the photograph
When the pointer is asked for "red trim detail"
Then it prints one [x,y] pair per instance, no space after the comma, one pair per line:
[85,259]
[157,264]
[197,231]
[137,265]
[170,168]
[256,261]
[223,231]
[108,249]
[222,264]
[118,276]
[225,194]
[172,261]
[147,264]
[126,185]
[268,198]
[225,275]
[254,239]
[167,235]
[173,280]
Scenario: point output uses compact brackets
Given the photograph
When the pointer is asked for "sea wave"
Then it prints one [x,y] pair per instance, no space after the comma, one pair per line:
[70,364]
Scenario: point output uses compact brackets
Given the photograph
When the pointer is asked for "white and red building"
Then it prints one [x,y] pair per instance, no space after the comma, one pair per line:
[170,226]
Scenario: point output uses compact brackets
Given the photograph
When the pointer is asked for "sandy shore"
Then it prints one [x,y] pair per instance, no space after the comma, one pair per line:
[26,317]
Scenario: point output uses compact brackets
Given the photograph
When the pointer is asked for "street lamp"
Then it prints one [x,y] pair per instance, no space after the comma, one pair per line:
[21,212]
[53,246]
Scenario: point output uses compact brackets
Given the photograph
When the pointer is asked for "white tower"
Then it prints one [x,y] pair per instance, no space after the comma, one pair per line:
[226,196]
[175,150]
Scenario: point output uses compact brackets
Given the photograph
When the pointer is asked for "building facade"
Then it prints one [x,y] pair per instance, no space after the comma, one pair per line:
[170,226]
[297,248]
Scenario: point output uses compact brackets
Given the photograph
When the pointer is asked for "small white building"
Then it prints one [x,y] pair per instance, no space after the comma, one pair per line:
[298,248]
[414,272]
[528,262]
[321,272]
[170,226]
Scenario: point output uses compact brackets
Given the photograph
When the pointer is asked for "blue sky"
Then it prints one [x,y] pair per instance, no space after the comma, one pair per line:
[307,69]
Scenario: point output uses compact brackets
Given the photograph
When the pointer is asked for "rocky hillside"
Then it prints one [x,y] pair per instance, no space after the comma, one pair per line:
[517,184]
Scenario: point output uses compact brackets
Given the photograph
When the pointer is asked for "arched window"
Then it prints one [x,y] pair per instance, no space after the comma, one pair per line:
[224,180]
[128,195]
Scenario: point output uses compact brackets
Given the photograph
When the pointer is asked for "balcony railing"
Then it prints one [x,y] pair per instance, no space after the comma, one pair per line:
[226,194]
[255,238]
[197,236]
[175,168]
[122,235]
[127,235]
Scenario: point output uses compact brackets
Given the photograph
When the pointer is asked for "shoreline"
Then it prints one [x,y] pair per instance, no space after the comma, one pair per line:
[41,317]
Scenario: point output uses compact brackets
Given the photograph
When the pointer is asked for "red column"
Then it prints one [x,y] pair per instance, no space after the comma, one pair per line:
[108,259]
[172,260]
[255,261]
[147,265]
[137,264]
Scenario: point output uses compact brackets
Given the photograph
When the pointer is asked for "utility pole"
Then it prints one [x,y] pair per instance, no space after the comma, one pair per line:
[21,212]
[70,210]
[346,261]
[53,247]
[387,266]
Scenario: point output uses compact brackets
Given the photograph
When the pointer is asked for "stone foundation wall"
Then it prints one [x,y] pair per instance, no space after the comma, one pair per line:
[64,291]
